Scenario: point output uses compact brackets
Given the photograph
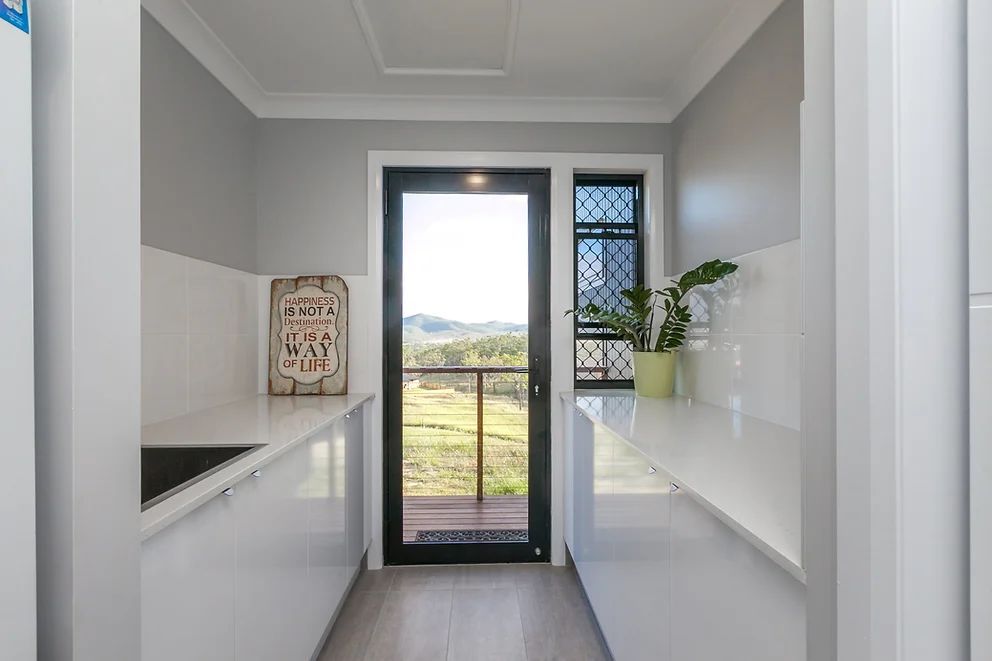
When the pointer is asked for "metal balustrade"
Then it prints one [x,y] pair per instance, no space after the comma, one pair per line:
[445,409]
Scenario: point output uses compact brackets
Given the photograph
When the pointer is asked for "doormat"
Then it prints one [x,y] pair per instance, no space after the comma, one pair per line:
[441,536]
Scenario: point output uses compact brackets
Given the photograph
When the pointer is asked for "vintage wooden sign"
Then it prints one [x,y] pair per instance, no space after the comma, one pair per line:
[308,336]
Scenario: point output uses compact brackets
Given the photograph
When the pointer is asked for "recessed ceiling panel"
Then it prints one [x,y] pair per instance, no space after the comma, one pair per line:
[438,36]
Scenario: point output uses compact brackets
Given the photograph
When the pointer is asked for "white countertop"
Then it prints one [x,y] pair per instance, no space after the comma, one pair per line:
[276,424]
[744,470]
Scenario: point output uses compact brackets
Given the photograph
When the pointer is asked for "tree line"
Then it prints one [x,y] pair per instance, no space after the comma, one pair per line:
[491,351]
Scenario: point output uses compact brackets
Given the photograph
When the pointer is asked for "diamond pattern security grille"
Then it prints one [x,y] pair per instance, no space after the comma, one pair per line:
[608,259]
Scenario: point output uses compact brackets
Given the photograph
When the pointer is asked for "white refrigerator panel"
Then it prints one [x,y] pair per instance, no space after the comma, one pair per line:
[17,507]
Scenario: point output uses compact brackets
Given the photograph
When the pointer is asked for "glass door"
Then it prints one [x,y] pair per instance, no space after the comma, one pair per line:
[466,332]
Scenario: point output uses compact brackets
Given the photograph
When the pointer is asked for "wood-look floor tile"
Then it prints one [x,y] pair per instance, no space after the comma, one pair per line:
[535,575]
[378,580]
[412,626]
[485,626]
[473,577]
[441,577]
[353,629]
[558,625]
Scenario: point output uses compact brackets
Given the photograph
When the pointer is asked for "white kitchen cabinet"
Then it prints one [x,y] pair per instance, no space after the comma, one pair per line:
[327,541]
[187,587]
[578,435]
[354,424]
[259,573]
[593,551]
[640,532]
[367,473]
[729,600]
[272,610]
[666,578]
[619,524]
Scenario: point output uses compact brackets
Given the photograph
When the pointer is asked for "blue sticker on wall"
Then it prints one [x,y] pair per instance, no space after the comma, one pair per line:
[15,12]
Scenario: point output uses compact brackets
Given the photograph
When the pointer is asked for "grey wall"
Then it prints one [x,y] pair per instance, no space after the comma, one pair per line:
[312,189]
[197,157]
[735,165]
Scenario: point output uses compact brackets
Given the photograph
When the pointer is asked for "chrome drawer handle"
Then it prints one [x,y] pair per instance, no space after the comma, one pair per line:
[228,491]
[652,470]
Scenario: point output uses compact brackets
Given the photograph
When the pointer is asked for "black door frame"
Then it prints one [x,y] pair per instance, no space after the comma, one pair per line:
[536,184]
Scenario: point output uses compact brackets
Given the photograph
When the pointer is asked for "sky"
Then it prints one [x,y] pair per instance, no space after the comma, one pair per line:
[465,256]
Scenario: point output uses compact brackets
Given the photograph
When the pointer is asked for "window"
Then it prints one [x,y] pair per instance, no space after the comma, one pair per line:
[609,257]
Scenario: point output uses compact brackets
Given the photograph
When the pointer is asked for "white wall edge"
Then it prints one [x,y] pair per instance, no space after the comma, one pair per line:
[562,166]
[901,413]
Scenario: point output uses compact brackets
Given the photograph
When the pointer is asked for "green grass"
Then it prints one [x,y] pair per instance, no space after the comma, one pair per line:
[439,443]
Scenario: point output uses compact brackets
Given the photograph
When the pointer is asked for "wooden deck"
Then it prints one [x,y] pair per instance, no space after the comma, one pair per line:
[462,513]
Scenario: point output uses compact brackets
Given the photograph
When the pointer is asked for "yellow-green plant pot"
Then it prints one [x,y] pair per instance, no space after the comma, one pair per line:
[654,373]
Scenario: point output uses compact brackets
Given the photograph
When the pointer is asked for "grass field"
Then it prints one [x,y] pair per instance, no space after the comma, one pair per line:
[439,443]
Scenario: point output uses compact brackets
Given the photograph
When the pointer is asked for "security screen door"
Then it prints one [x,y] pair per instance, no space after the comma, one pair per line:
[467,377]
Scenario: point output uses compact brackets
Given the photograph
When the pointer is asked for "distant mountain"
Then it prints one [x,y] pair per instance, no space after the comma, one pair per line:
[421,328]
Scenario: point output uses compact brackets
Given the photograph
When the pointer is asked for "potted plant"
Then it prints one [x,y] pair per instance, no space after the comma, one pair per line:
[655,348]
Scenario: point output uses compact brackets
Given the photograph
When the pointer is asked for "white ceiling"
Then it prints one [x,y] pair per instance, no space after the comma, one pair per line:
[542,60]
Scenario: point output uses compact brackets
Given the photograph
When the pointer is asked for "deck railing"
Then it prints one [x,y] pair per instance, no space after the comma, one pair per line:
[512,428]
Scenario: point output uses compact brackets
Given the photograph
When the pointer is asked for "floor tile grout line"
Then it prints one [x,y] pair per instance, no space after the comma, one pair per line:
[520,618]
[451,614]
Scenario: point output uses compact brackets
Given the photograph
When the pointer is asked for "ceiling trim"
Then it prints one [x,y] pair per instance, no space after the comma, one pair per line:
[192,32]
[720,46]
[465,108]
[509,48]
[186,26]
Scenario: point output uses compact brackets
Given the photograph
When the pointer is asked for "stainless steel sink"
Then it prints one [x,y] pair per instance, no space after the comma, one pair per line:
[166,471]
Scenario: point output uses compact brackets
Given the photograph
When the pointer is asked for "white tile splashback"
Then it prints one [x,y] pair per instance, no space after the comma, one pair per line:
[221,371]
[164,306]
[762,296]
[221,299]
[199,332]
[164,376]
[744,350]
[755,374]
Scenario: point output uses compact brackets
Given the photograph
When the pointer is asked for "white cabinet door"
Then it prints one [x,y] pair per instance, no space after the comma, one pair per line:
[272,604]
[367,471]
[328,576]
[729,600]
[578,433]
[593,553]
[355,488]
[640,530]
[187,587]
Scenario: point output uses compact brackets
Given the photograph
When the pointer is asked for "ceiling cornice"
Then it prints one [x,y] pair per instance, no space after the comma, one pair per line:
[464,108]
[186,26]
[723,43]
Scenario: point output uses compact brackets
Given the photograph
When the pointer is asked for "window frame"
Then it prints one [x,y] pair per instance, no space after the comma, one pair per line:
[585,179]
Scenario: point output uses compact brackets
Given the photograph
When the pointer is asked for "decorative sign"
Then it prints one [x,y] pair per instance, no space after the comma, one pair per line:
[308,336]
[15,12]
